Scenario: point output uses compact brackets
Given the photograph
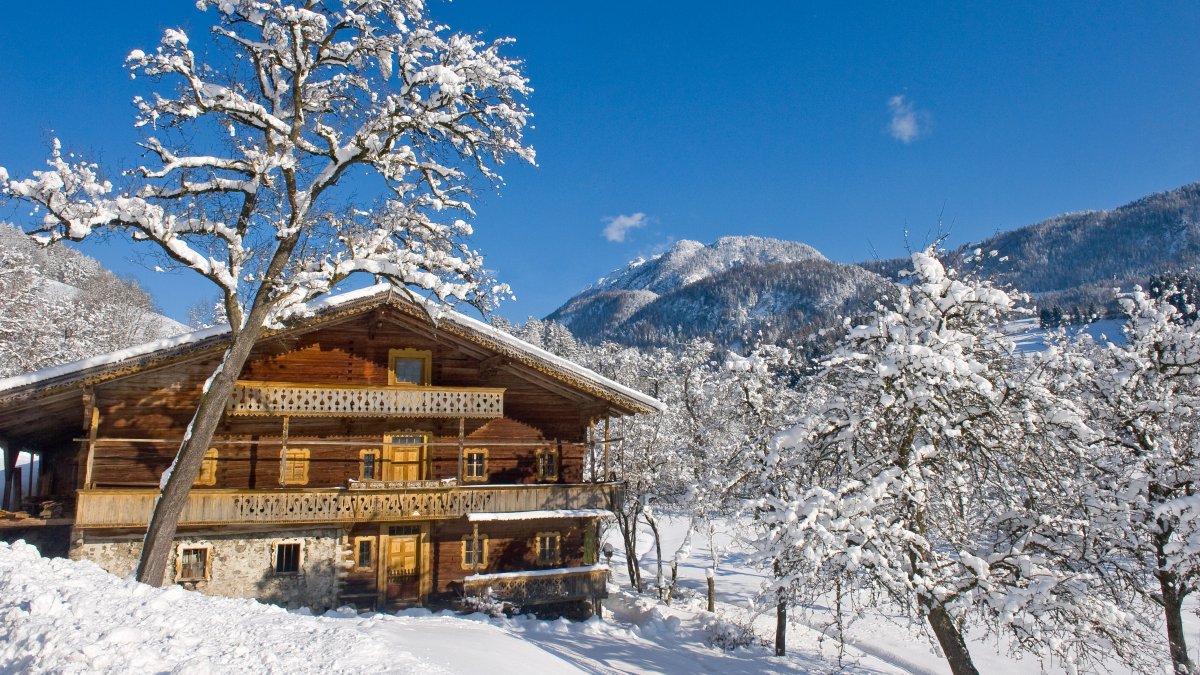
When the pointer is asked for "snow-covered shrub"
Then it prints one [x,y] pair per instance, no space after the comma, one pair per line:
[728,634]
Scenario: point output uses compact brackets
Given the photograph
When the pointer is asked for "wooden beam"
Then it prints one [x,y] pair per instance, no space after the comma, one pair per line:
[10,465]
[491,365]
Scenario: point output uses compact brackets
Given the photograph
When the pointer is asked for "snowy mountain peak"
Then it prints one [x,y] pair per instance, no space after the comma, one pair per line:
[688,262]
[693,286]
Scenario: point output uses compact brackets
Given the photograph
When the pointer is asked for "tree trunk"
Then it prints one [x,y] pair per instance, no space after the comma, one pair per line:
[951,641]
[712,591]
[781,627]
[1172,601]
[657,551]
[160,534]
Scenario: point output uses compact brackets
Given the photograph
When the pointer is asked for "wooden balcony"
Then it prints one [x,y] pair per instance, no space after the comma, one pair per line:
[542,586]
[132,508]
[308,400]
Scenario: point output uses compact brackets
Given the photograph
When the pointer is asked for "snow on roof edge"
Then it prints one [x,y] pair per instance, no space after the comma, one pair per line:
[437,311]
[110,358]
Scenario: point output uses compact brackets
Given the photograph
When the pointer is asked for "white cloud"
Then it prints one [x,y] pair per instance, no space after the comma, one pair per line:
[616,228]
[907,123]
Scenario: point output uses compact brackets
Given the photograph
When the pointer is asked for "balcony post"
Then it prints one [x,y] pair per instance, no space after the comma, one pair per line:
[607,467]
[462,438]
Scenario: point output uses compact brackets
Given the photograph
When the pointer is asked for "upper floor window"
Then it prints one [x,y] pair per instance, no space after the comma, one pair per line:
[368,468]
[475,464]
[293,468]
[409,366]
[208,468]
[547,464]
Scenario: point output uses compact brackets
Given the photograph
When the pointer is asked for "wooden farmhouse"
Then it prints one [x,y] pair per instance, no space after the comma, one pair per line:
[370,455]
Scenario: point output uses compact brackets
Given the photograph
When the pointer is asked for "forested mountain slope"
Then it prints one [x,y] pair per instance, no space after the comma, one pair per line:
[1074,260]
[59,305]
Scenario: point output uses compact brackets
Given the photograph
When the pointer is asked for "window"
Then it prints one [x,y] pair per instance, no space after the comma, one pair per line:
[208,468]
[294,467]
[474,465]
[549,550]
[547,464]
[287,557]
[474,551]
[364,553]
[409,366]
[368,468]
[192,563]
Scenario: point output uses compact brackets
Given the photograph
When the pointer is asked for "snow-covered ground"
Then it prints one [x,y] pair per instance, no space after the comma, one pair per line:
[65,616]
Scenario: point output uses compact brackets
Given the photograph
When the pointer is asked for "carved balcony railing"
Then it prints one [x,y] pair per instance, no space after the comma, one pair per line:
[309,400]
[132,508]
[542,586]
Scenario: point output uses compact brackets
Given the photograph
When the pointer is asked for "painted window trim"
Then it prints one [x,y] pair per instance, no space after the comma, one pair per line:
[537,460]
[299,557]
[362,464]
[467,477]
[358,541]
[483,545]
[301,459]
[208,562]
[208,468]
[537,545]
[426,367]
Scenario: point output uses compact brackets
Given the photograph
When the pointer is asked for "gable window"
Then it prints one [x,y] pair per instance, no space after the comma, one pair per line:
[364,553]
[547,464]
[192,563]
[474,465]
[208,468]
[474,551]
[287,557]
[294,467]
[409,366]
[368,468]
[549,548]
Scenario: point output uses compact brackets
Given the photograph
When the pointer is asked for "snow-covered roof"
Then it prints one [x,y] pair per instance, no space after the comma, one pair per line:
[379,293]
[537,515]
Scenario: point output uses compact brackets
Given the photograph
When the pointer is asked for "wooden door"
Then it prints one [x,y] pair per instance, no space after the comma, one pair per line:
[403,565]
[406,459]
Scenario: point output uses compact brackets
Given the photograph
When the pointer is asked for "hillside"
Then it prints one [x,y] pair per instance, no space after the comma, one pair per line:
[61,305]
[1074,260]
[735,289]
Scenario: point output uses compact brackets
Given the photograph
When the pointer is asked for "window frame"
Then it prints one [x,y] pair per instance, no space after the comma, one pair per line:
[275,549]
[179,555]
[373,546]
[483,552]
[302,459]
[537,546]
[552,454]
[376,465]
[208,469]
[467,476]
[426,357]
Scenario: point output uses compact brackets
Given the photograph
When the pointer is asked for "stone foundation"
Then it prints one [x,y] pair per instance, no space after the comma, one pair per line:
[239,565]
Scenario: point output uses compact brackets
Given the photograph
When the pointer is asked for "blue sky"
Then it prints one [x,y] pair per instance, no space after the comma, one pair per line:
[841,125]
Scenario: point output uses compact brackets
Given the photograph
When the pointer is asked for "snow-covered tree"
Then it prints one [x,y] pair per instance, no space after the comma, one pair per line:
[301,97]
[928,474]
[1144,464]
